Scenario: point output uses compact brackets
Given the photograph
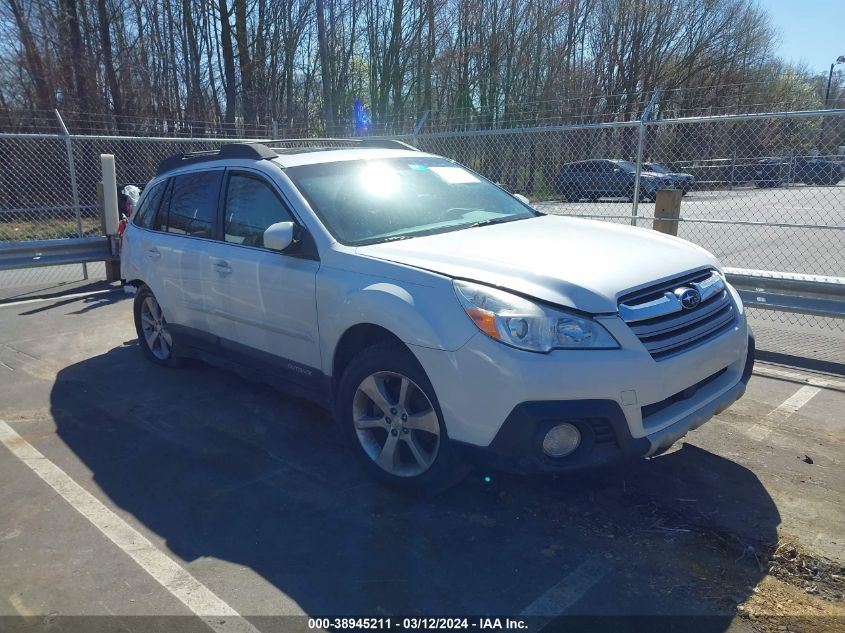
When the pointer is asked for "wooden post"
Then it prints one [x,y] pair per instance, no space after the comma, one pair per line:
[667,207]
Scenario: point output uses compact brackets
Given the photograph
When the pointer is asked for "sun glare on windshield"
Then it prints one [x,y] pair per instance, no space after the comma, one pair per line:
[396,198]
[379,180]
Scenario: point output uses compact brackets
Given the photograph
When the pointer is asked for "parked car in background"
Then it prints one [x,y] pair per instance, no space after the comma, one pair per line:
[776,171]
[770,172]
[683,181]
[604,178]
[818,170]
[443,320]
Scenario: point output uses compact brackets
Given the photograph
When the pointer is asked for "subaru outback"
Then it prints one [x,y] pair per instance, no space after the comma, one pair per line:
[444,321]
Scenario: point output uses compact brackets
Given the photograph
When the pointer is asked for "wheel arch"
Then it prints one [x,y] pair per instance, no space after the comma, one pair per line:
[356,339]
[415,315]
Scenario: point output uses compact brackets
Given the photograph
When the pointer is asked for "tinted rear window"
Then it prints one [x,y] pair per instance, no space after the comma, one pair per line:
[145,216]
[193,203]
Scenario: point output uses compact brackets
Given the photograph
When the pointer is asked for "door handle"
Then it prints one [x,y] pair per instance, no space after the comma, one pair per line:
[153,254]
[222,267]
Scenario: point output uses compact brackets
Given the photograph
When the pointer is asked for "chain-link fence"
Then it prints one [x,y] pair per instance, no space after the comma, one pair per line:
[762,191]
[48,190]
[48,184]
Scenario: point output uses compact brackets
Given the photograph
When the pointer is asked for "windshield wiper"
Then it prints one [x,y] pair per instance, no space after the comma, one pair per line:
[395,238]
[489,222]
[407,236]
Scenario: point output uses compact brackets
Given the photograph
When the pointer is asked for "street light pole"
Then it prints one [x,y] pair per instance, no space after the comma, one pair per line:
[839,60]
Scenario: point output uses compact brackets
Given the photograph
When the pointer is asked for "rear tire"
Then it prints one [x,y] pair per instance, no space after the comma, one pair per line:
[391,419]
[154,336]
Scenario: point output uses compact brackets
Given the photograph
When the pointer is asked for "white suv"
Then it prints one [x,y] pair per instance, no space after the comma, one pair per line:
[442,319]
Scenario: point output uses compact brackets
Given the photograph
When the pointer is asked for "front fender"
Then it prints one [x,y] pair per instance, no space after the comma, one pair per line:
[419,315]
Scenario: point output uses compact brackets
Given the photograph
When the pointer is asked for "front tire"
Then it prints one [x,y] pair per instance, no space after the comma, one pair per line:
[154,335]
[391,419]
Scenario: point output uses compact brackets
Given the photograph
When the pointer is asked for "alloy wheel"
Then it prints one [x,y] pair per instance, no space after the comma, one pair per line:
[154,326]
[396,423]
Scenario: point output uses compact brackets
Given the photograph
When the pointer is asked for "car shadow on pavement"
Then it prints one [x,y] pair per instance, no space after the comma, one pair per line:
[219,468]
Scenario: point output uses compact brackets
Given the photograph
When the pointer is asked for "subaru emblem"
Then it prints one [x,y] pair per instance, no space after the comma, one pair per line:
[689,297]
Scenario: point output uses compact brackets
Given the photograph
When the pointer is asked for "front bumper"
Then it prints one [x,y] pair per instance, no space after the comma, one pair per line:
[605,433]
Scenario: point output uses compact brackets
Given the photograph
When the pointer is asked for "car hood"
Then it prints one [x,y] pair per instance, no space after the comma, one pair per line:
[572,262]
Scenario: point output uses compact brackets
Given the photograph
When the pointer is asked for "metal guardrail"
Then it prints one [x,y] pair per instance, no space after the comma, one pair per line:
[38,253]
[790,292]
[785,292]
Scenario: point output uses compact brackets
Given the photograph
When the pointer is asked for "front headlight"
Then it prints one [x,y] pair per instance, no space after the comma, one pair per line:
[527,325]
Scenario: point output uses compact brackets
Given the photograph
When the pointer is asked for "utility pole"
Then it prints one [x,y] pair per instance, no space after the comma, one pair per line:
[839,60]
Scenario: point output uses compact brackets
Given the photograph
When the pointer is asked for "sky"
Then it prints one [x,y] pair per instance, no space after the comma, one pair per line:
[812,31]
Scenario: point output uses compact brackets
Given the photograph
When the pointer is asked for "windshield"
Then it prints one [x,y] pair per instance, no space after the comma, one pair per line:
[626,165]
[657,168]
[363,202]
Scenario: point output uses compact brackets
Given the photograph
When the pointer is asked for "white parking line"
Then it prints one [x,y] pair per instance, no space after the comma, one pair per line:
[21,608]
[760,431]
[216,613]
[75,295]
[569,590]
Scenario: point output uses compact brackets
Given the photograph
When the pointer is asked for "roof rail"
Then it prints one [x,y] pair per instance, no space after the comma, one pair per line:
[387,143]
[255,151]
[261,151]
[384,143]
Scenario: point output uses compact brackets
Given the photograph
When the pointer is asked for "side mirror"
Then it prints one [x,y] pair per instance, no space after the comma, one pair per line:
[279,236]
[522,198]
[616,170]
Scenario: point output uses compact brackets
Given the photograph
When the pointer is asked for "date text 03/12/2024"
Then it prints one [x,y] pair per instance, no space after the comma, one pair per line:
[418,623]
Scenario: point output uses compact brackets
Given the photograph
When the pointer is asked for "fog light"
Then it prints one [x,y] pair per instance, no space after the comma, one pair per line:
[561,440]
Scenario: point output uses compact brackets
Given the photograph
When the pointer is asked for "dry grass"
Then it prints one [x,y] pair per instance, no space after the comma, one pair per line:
[55,228]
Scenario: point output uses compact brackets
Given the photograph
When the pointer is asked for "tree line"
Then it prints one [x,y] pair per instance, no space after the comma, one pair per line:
[298,67]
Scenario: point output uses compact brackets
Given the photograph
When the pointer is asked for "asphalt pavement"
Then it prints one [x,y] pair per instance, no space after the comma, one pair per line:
[132,491]
[744,227]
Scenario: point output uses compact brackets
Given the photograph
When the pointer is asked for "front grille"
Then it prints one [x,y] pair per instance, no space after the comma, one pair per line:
[669,334]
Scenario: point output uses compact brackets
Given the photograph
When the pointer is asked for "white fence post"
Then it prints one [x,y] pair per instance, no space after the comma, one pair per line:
[109,193]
